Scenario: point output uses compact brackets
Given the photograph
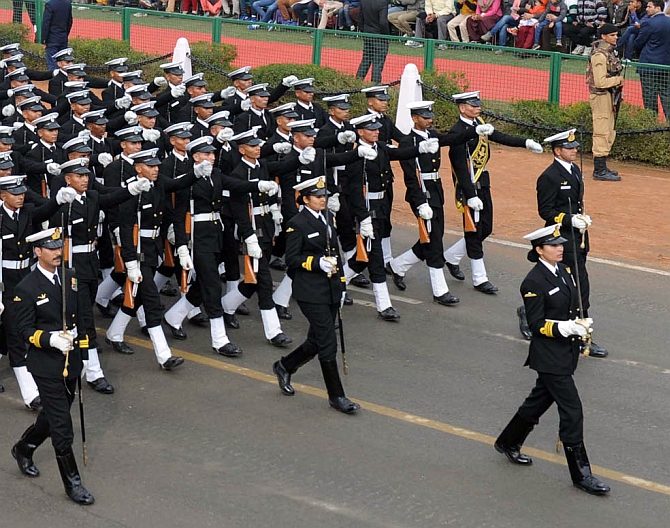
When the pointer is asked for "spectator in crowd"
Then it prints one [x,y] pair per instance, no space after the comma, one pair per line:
[56,26]
[653,46]
[487,14]
[328,9]
[617,13]
[395,6]
[636,14]
[552,18]
[402,19]
[373,18]
[210,8]
[468,8]
[344,15]
[435,17]
[305,11]
[264,9]
[586,16]
[244,13]
[509,23]
[287,14]
[525,33]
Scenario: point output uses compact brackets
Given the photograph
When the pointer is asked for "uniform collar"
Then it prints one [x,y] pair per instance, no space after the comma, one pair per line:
[567,166]
[553,269]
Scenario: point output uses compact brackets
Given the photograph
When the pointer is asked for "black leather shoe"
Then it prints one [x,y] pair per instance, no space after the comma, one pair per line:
[169,290]
[486,287]
[348,301]
[23,454]
[200,319]
[102,386]
[592,485]
[398,280]
[229,350]
[283,313]
[605,175]
[281,340]
[344,405]
[596,351]
[172,363]
[230,321]
[513,455]
[389,314]
[446,299]
[144,331]
[242,310]
[108,311]
[278,264]
[455,271]
[177,333]
[283,378]
[2,388]
[523,323]
[35,405]
[120,347]
[223,277]
[360,281]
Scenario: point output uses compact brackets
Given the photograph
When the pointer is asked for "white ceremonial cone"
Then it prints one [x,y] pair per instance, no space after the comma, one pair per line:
[410,91]
[182,53]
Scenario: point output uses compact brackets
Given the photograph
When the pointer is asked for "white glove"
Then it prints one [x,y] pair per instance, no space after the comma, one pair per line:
[203,169]
[134,273]
[227,93]
[61,341]
[53,168]
[425,211]
[8,110]
[534,146]
[245,104]
[117,236]
[160,81]
[283,147]
[578,222]
[484,130]
[475,204]
[17,124]
[185,260]
[3,65]
[342,299]
[151,134]
[429,146]
[287,81]
[328,265]
[307,156]
[2,307]
[578,327]
[277,217]
[365,228]
[170,234]
[178,91]
[138,186]
[269,187]
[369,153]
[123,102]
[101,216]
[253,248]
[130,117]
[55,72]
[65,195]
[105,158]
[85,134]
[334,202]
[347,136]
[224,135]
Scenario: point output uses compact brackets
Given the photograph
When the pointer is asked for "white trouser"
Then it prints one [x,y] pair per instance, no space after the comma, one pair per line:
[282,294]
[402,263]
[478,272]
[218,332]
[27,384]
[195,311]
[161,348]
[106,272]
[175,315]
[349,254]
[455,253]
[382,298]
[222,266]
[270,323]
[231,300]
[106,291]
[118,327]
[141,317]
[386,250]
[93,367]
[437,281]
[348,272]
[160,280]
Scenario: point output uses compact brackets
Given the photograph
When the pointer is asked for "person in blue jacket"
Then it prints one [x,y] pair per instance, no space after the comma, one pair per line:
[56,26]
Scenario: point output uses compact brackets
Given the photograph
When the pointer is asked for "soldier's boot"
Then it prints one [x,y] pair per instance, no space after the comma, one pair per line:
[601,172]
[23,451]
[512,438]
[289,365]
[580,471]
[616,173]
[71,479]
[336,397]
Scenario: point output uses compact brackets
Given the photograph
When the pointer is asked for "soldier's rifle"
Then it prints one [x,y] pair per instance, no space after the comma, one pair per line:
[587,340]
[130,290]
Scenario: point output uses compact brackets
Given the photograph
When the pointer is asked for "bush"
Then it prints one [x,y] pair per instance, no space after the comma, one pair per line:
[218,55]
[446,112]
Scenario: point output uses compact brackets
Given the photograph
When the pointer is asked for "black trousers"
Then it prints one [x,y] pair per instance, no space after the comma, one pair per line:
[105,249]
[550,388]
[10,340]
[207,286]
[346,224]
[86,292]
[17,15]
[374,54]
[584,284]
[54,419]
[433,251]
[231,249]
[263,286]
[473,241]
[147,296]
[375,262]
[321,337]
[580,34]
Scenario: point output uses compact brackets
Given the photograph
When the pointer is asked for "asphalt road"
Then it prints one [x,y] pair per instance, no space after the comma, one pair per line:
[216,444]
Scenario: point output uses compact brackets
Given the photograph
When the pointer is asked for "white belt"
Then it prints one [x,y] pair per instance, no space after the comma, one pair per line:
[83,248]
[430,175]
[206,217]
[16,264]
[261,210]
[149,233]
[376,195]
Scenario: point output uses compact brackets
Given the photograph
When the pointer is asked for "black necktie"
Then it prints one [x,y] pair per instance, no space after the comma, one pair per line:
[56,279]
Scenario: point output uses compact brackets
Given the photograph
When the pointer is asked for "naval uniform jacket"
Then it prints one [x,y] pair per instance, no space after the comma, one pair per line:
[43,154]
[554,187]
[306,242]
[252,118]
[314,111]
[389,131]
[38,303]
[24,138]
[548,299]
